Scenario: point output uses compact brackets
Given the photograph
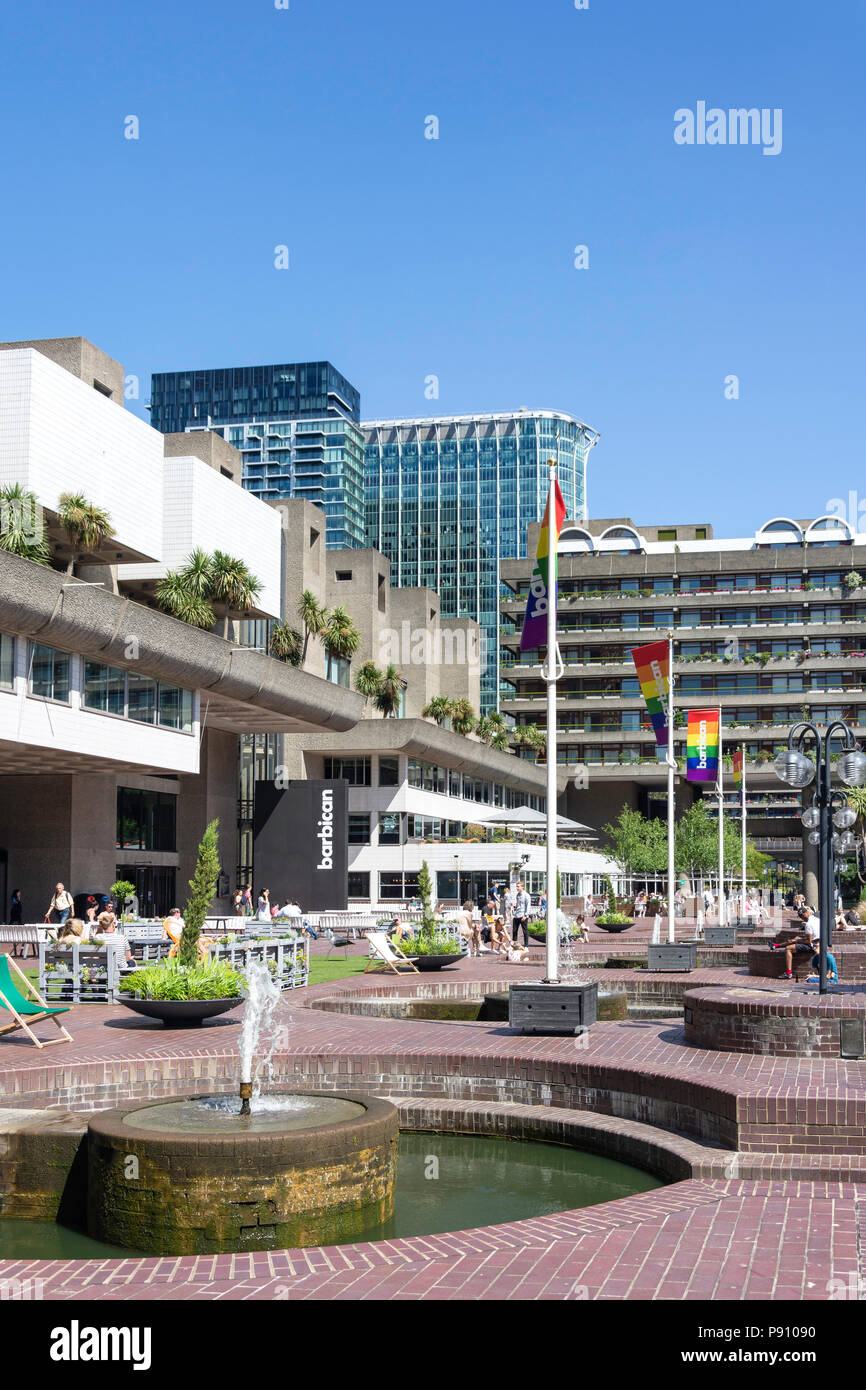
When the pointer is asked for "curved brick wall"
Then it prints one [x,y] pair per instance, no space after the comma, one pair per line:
[773,1024]
[770,964]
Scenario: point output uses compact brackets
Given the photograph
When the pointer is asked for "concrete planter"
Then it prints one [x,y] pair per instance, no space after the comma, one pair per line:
[673,956]
[720,936]
[179,1013]
[434,962]
[565,1009]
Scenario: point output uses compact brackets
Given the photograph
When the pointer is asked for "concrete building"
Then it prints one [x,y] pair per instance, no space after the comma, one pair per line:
[418,792]
[119,726]
[770,627]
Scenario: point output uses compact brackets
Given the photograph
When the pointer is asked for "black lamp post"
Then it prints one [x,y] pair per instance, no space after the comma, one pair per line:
[821,819]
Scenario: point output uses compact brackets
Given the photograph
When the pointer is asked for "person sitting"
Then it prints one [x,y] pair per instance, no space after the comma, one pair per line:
[517,955]
[832,968]
[639,904]
[581,930]
[72,932]
[499,938]
[806,940]
[172,930]
[112,938]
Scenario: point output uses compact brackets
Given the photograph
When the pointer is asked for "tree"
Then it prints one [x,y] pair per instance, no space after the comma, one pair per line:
[696,842]
[340,638]
[368,680]
[22,526]
[175,596]
[425,893]
[492,730]
[286,643]
[387,698]
[313,616]
[439,710]
[202,889]
[86,525]
[233,585]
[636,845]
[857,801]
[462,717]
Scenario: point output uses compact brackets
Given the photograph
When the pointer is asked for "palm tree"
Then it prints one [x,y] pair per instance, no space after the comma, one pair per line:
[233,585]
[313,615]
[86,525]
[530,737]
[390,692]
[439,709]
[22,527]
[176,596]
[368,681]
[857,801]
[340,638]
[198,573]
[462,717]
[286,643]
[492,730]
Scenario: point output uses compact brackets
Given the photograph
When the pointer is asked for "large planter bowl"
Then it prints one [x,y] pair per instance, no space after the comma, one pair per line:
[180,1013]
[614,926]
[435,962]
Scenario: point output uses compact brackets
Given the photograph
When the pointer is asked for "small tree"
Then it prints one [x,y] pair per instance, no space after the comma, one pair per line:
[202,889]
[286,643]
[425,893]
[121,892]
[462,717]
[439,709]
[86,525]
[22,526]
[368,680]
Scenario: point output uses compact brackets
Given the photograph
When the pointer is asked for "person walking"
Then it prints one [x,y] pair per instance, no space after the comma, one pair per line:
[238,903]
[247,900]
[264,906]
[522,909]
[16,908]
[60,907]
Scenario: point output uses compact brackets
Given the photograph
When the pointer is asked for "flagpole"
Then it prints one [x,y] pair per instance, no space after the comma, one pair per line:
[743,820]
[720,794]
[551,676]
[672,765]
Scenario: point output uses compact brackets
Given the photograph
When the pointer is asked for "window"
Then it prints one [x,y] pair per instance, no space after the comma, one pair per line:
[337,670]
[359,886]
[355,771]
[141,698]
[390,886]
[667,534]
[359,828]
[175,708]
[146,820]
[700,533]
[389,828]
[49,673]
[344,575]
[104,688]
[389,772]
[7,661]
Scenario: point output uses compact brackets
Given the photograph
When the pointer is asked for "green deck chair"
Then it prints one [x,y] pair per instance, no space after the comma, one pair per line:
[23,1010]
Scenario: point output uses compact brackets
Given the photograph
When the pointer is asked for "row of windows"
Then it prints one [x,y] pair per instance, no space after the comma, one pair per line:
[107,689]
[453,886]
[449,782]
[694,583]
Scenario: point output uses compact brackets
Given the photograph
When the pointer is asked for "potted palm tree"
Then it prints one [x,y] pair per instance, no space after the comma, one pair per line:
[182,993]
[390,692]
[22,525]
[86,525]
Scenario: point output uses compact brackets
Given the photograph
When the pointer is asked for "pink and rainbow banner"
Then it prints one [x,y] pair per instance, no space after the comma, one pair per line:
[702,745]
[652,664]
[534,632]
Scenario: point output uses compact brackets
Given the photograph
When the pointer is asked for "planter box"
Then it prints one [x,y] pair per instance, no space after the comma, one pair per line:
[563,1009]
[674,956]
[720,936]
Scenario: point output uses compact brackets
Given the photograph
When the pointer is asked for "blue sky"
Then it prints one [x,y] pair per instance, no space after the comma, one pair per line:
[454,257]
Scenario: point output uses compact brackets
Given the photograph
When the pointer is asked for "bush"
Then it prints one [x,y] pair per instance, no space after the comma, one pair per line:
[431,944]
[613,919]
[174,981]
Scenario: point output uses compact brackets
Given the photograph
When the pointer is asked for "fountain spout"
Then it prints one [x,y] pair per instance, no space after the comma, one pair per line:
[246,1091]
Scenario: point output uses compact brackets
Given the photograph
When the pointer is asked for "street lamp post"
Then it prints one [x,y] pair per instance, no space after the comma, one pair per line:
[821,819]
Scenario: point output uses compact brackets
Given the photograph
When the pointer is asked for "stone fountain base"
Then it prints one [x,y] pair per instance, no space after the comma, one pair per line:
[234,1187]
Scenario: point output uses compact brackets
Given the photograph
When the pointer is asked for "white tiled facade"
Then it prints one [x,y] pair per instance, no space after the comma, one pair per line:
[57,434]
[203,508]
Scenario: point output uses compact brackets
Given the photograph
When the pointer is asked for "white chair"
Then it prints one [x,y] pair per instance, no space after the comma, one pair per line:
[384,953]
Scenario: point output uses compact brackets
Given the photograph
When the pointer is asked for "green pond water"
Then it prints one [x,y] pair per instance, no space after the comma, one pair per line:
[445,1182]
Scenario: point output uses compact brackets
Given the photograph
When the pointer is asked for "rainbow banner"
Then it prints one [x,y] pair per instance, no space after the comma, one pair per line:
[702,759]
[738,767]
[534,632]
[652,664]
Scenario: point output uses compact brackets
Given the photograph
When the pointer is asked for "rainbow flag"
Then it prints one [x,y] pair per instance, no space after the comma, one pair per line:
[702,759]
[738,767]
[534,632]
[652,664]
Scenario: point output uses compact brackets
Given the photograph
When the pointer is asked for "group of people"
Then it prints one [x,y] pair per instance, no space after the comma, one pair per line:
[265,910]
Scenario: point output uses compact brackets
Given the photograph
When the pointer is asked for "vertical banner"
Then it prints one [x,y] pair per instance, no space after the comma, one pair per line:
[702,763]
[652,664]
[738,767]
[534,632]
[301,843]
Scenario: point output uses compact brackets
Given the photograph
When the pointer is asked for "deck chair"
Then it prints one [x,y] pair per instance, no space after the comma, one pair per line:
[23,1009]
[337,942]
[387,954]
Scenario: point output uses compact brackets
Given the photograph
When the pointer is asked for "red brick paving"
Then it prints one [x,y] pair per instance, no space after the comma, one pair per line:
[779,1226]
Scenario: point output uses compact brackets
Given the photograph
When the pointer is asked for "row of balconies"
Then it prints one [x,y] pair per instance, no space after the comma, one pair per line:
[698,598]
[833,695]
[706,665]
[638,636]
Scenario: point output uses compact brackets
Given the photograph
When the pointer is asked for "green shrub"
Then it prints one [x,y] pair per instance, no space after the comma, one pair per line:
[613,919]
[431,944]
[170,980]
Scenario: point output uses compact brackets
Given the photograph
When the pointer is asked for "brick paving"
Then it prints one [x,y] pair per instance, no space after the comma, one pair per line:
[768,1154]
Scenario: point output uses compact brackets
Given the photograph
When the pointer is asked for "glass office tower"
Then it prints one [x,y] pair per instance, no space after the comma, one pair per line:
[448,498]
[296,425]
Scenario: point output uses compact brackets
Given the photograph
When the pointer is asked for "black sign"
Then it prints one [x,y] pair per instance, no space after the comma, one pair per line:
[301,844]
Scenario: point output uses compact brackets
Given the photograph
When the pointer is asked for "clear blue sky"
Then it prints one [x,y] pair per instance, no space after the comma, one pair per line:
[410,256]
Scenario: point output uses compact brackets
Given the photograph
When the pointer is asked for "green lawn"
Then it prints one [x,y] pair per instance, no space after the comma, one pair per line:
[323,971]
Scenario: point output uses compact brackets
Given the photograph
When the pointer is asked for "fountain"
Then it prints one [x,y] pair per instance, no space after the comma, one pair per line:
[204,1174]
